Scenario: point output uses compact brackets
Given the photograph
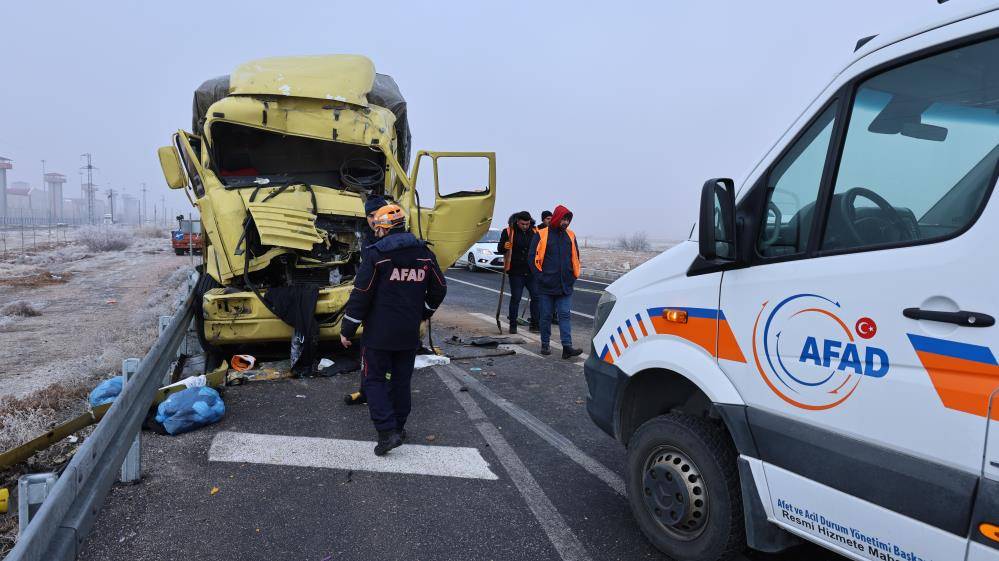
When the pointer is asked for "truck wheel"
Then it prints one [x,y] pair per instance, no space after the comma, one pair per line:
[178,251]
[683,488]
[471,263]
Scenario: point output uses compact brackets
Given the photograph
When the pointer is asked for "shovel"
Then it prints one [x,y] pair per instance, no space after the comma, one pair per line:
[499,303]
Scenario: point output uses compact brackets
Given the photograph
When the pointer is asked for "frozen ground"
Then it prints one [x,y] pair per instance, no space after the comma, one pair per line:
[96,308]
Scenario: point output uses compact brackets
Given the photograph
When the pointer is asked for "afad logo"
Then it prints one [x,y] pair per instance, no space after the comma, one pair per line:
[808,355]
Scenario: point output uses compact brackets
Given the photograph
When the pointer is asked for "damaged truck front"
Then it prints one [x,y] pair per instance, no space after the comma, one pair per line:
[283,155]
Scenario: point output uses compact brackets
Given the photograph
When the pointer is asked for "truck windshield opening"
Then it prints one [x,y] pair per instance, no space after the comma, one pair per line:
[245,155]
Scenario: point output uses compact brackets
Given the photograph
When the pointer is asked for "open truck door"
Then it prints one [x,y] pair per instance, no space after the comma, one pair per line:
[188,149]
[464,196]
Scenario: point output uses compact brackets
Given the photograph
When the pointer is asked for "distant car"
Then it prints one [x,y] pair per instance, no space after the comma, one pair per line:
[482,254]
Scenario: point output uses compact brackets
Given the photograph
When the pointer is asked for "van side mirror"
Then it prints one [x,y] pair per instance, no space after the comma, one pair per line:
[170,164]
[716,224]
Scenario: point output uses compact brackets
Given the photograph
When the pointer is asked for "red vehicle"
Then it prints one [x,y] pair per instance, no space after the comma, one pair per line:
[187,237]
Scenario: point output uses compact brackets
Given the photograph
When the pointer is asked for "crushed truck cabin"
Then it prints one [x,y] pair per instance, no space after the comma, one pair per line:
[283,155]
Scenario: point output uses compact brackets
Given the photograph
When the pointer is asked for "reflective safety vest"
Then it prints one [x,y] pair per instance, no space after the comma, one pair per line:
[539,257]
[508,253]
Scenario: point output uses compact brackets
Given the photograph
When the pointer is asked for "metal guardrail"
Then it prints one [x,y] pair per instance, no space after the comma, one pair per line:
[58,529]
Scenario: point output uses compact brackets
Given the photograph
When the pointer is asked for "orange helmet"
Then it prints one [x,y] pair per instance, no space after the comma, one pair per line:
[388,217]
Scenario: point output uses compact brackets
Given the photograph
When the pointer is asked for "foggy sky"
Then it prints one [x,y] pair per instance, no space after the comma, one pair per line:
[618,110]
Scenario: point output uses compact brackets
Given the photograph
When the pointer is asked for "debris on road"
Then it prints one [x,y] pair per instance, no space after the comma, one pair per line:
[189,409]
[342,365]
[242,363]
[423,361]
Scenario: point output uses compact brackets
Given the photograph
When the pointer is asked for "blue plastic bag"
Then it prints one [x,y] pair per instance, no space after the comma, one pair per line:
[189,409]
[106,391]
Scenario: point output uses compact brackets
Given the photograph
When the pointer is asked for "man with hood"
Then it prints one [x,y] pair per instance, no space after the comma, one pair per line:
[554,257]
[397,286]
[514,242]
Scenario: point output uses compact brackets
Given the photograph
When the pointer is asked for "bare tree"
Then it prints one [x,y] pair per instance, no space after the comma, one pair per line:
[638,241]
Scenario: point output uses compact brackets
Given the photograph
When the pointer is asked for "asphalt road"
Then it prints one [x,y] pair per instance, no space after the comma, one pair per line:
[479,291]
[503,463]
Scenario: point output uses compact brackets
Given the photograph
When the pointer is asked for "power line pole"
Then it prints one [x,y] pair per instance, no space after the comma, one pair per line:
[163,201]
[144,217]
[89,186]
[111,198]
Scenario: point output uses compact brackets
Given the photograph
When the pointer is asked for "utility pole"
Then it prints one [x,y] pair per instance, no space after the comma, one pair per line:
[163,202]
[143,217]
[111,198]
[89,186]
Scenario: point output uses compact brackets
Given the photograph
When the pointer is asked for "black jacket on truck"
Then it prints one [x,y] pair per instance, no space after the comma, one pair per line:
[397,286]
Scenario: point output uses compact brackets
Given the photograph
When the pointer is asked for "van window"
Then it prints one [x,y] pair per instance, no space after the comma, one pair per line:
[920,151]
[792,188]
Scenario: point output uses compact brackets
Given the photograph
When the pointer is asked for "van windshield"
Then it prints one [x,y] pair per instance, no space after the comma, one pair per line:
[921,150]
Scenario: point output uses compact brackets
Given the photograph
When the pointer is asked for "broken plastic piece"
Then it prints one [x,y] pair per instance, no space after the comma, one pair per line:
[423,361]
[242,363]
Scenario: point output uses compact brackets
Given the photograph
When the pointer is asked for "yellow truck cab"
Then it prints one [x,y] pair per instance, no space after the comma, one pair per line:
[283,154]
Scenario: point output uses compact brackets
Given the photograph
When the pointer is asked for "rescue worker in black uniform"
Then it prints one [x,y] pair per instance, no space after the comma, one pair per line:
[397,287]
[371,204]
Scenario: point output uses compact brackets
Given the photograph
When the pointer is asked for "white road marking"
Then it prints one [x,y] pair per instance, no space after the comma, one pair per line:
[566,543]
[528,335]
[494,291]
[305,451]
[561,443]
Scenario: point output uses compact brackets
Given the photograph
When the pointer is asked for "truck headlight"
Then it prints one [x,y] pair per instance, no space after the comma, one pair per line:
[604,307]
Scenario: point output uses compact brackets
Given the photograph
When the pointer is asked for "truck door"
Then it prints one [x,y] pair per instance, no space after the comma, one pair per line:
[216,258]
[464,188]
[864,307]
[984,534]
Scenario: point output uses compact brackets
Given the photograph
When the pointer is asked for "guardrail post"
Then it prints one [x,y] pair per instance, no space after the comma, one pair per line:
[131,467]
[31,492]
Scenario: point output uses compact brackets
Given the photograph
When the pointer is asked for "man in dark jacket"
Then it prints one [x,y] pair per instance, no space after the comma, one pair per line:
[546,219]
[397,287]
[371,204]
[514,242]
[555,264]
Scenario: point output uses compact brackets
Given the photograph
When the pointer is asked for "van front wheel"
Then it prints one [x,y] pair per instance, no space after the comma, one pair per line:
[683,488]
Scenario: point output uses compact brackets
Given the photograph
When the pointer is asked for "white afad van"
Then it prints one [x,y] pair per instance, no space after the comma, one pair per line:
[820,360]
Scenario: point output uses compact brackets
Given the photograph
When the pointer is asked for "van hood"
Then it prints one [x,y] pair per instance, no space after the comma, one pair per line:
[671,263]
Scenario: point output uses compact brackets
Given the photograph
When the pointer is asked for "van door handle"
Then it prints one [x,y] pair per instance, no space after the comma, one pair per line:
[967,319]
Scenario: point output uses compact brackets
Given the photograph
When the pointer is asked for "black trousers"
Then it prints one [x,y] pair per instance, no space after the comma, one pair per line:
[389,401]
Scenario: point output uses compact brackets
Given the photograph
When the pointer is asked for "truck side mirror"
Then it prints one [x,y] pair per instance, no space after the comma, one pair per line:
[716,225]
[172,171]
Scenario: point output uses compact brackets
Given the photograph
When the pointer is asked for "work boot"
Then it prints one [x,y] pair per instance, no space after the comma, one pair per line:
[569,352]
[387,440]
[513,327]
[533,328]
[546,350]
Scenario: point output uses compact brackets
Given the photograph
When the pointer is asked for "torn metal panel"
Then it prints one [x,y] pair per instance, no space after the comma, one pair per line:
[346,78]
[284,226]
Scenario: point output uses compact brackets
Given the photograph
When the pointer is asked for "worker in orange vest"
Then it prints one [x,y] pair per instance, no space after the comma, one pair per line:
[514,243]
[555,264]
